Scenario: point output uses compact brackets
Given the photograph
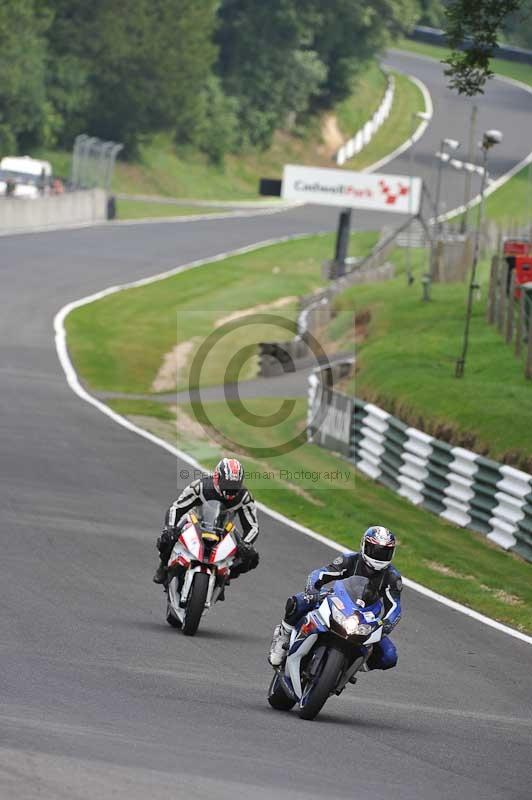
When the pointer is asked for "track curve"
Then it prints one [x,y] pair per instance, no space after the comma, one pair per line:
[98,695]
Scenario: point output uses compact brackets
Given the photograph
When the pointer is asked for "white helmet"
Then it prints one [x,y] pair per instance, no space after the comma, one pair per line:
[377,547]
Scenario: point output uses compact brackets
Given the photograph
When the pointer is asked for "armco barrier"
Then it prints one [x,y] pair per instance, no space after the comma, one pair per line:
[437,36]
[18,214]
[465,488]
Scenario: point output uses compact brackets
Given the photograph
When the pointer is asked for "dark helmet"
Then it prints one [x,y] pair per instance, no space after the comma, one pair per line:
[228,478]
[377,547]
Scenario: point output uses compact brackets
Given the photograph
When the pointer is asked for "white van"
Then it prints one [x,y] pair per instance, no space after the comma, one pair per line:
[29,177]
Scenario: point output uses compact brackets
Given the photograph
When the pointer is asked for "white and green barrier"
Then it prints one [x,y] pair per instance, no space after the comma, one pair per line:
[364,136]
[467,489]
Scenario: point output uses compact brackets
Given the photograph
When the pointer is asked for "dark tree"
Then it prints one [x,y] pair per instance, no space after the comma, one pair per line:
[475,25]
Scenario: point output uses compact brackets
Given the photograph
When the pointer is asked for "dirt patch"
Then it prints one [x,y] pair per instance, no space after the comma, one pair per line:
[361,324]
[499,594]
[443,570]
[331,134]
[190,426]
[504,597]
[174,362]
[259,309]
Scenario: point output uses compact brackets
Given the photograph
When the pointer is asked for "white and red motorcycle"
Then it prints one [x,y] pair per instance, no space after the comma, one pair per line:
[199,565]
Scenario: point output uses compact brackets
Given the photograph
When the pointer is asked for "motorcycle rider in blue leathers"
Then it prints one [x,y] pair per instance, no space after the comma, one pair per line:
[373,561]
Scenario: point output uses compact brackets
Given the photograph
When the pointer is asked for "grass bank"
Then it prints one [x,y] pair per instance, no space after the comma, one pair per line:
[406,349]
[406,354]
[512,204]
[322,491]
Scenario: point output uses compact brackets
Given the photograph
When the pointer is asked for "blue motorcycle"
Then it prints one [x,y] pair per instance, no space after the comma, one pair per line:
[328,647]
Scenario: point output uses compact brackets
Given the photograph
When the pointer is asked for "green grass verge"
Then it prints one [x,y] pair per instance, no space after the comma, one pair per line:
[119,343]
[458,563]
[141,209]
[512,204]
[509,69]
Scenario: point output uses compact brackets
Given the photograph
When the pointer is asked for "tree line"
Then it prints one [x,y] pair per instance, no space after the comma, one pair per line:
[220,74]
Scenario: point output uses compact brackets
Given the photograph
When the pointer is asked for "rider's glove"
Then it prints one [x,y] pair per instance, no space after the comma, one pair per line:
[243,550]
[312,598]
[167,539]
[248,555]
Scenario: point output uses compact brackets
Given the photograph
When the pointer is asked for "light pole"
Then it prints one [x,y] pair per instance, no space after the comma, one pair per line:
[443,157]
[416,115]
[529,201]
[470,156]
[489,139]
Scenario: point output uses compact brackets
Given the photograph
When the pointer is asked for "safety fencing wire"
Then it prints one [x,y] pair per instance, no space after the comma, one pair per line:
[93,162]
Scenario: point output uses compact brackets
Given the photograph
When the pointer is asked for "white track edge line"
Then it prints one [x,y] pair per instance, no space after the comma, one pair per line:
[74,383]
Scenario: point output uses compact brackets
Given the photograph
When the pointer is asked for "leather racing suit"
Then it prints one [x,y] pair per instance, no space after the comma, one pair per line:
[201,491]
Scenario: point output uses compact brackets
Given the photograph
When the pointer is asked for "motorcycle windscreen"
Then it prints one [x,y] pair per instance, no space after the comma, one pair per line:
[360,591]
[213,516]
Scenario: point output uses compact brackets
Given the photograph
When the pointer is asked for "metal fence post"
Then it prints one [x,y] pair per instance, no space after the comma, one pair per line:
[494,274]
[76,160]
[503,279]
[528,363]
[110,165]
[510,307]
[520,324]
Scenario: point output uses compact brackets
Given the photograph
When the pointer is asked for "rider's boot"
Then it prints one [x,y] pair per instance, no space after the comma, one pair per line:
[160,574]
[279,645]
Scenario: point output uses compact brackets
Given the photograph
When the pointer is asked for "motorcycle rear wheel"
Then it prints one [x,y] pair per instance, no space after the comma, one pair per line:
[277,697]
[324,686]
[195,603]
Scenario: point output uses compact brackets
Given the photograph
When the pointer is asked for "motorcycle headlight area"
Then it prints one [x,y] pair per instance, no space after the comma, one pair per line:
[352,624]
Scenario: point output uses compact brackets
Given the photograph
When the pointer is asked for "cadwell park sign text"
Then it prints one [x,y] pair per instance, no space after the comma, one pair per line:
[336,187]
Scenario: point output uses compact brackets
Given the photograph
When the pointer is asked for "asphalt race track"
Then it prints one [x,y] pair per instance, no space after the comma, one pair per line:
[99,697]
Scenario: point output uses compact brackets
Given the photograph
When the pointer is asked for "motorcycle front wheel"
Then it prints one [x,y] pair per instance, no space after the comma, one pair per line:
[195,603]
[325,684]
[171,620]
